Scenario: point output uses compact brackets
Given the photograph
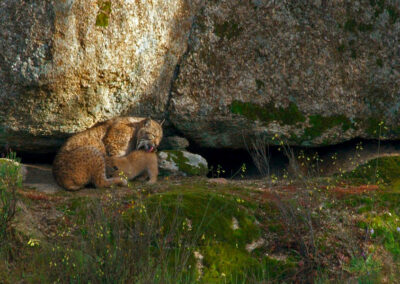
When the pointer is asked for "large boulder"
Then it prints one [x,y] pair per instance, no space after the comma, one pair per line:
[315,72]
[65,65]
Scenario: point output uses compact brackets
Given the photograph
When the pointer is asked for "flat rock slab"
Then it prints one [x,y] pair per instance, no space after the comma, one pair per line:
[40,178]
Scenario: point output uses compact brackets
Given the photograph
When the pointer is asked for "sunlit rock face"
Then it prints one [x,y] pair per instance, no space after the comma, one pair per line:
[313,72]
[67,64]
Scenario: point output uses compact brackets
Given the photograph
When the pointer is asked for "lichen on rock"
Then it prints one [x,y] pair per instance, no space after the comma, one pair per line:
[316,73]
[65,65]
[179,162]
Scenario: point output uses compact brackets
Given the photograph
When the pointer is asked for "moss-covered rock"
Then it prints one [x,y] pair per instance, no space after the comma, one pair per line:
[179,162]
[204,218]
[268,113]
[323,78]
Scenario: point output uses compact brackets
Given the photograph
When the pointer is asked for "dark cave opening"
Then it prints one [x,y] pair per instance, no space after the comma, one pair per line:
[228,163]
[238,163]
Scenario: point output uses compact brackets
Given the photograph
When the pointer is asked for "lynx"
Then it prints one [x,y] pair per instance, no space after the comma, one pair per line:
[82,159]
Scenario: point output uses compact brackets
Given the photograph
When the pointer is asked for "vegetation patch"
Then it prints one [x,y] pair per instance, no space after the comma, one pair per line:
[268,113]
[226,264]
[379,62]
[260,84]
[375,127]
[227,29]
[383,170]
[367,269]
[104,13]
[351,25]
[210,213]
[394,13]
[319,124]
[10,180]
[190,230]
[291,116]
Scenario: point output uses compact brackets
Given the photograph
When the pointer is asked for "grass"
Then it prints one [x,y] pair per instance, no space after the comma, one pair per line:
[10,180]
[182,231]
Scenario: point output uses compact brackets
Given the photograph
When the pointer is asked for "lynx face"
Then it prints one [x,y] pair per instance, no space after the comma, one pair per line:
[149,136]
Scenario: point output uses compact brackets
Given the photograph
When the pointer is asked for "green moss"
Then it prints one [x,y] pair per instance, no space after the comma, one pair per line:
[268,113]
[228,29]
[291,116]
[384,169]
[353,53]
[385,226]
[375,127]
[362,27]
[386,230]
[222,260]
[182,163]
[341,48]
[210,214]
[319,124]
[379,6]
[350,25]
[105,6]
[393,13]
[363,203]
[102,18]
[366,269]
[260,84]
[379,3]
[226,264]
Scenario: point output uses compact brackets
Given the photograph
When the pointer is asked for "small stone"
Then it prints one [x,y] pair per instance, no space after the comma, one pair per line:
[235,224]
[256,244]
[181,163]
[218,180]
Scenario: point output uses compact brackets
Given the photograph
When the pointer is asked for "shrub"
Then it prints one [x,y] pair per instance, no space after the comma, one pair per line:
[10,180]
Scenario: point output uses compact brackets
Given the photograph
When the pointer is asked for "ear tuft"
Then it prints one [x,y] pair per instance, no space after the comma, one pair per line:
[147,122]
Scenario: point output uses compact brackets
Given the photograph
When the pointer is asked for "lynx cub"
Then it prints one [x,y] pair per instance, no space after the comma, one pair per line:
[134,164]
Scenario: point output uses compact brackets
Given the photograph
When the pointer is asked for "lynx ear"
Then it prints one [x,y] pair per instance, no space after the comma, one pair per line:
[147,122]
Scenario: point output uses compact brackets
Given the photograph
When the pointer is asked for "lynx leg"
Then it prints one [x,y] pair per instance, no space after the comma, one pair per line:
[100,179]
[143,176]
[70,185]
[153,173]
